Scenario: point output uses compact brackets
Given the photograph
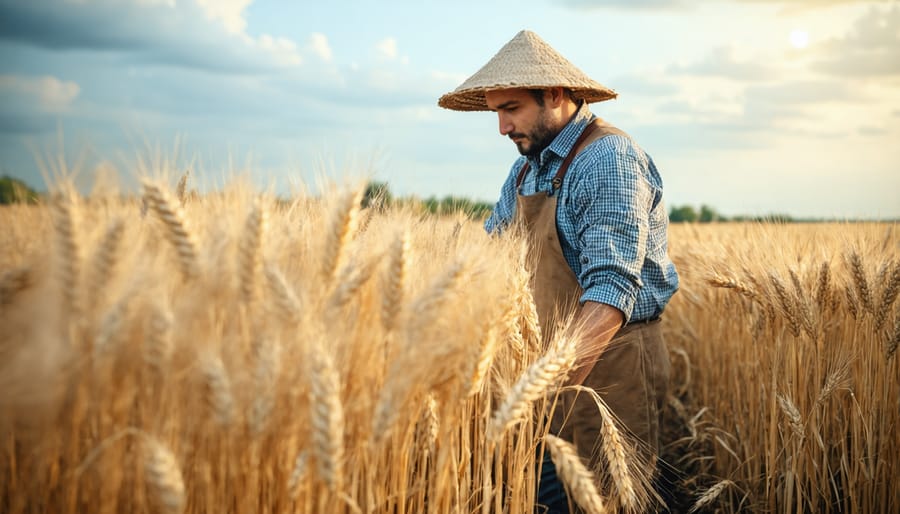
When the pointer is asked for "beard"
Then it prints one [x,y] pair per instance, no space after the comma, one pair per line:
[533,143]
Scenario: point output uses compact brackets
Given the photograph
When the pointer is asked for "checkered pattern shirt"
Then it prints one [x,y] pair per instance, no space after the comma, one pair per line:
[610,218]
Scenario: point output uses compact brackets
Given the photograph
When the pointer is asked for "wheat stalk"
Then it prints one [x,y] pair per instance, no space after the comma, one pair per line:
[301,465]
[268,362]
[788,306]
[579,481]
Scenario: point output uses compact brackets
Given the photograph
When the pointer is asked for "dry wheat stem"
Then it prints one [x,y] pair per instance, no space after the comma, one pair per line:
[579,481]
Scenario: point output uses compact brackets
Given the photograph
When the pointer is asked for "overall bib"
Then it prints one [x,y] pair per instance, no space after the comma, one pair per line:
[632,374]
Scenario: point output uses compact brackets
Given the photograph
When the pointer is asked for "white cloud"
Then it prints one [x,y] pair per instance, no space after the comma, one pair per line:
[387,48]
[318,45]
[230,13]
[47,93]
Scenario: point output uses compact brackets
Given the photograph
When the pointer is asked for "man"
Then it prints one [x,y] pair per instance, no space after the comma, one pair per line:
[591,201]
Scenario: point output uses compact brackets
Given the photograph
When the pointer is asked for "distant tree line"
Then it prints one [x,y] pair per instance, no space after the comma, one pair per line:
[706,214]
[13,190]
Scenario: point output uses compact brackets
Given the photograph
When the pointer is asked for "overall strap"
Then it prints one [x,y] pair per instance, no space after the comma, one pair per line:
[576,148]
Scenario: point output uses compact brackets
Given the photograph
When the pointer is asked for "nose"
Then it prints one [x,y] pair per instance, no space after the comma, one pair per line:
[506,125]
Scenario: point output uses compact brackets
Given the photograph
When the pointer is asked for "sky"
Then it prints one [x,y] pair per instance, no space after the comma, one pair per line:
[748,106]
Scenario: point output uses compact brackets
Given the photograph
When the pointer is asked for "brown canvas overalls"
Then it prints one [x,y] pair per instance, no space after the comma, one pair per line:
[632,373]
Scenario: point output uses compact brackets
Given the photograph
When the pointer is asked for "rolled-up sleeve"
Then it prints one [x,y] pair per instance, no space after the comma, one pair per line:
[612,201]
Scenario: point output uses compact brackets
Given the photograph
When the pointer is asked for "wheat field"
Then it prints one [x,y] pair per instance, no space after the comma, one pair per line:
[233,352]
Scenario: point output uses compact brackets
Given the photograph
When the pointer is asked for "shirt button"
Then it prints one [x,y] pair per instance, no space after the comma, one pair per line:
[584,259]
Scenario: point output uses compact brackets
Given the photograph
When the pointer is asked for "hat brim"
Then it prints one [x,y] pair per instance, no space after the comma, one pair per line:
[473,99]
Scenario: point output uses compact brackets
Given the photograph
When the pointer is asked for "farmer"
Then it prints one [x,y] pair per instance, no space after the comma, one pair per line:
[591,202]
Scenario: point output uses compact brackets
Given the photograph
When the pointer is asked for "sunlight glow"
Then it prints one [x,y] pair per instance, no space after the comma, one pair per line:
[799,38]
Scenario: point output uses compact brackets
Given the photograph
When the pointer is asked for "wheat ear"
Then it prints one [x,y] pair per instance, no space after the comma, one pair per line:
[327,417]
[163,477]
[888,296]
[537,380]
[394,277]
[579,481]
[176,230]
[285,298]
[793,415]
[615,450]
[181,187]
[158,345]
[301,465]
[710,495]
[267,355]
[217,389]
[860,281]
[106,256]
[788,305]
[342,229]
[68,249]
[249,250]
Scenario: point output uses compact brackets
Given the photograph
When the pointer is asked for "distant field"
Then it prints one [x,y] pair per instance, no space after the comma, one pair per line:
[233,353]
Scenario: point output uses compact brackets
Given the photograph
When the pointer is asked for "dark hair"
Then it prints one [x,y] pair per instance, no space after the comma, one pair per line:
[538,95]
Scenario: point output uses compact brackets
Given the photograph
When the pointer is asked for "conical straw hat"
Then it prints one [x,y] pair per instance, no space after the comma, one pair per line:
[527,61]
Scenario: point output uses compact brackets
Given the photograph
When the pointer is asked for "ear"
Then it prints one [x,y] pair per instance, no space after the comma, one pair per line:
[555,96]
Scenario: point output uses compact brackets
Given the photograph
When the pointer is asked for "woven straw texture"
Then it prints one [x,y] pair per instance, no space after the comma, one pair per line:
[526,61]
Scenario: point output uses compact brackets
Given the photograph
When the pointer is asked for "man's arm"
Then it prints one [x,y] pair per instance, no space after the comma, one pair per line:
[596,323]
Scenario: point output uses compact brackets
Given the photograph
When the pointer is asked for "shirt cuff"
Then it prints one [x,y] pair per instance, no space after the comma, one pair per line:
[614,291]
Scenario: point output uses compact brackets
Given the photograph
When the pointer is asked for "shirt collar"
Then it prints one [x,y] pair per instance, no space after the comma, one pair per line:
[564,141]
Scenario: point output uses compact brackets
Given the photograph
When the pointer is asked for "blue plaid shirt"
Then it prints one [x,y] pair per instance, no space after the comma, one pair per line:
[610,218]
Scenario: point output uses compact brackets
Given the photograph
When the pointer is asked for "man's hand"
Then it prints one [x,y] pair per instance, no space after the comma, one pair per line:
[596,324]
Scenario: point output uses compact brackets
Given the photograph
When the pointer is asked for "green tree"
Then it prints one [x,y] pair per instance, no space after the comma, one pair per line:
[377,195]
[13,190]
[707,214]
[685,213]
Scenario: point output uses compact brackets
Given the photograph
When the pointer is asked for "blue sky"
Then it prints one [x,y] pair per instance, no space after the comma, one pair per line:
[750,106]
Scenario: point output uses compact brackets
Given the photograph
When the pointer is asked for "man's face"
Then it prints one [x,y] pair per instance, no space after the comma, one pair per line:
[528,124]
